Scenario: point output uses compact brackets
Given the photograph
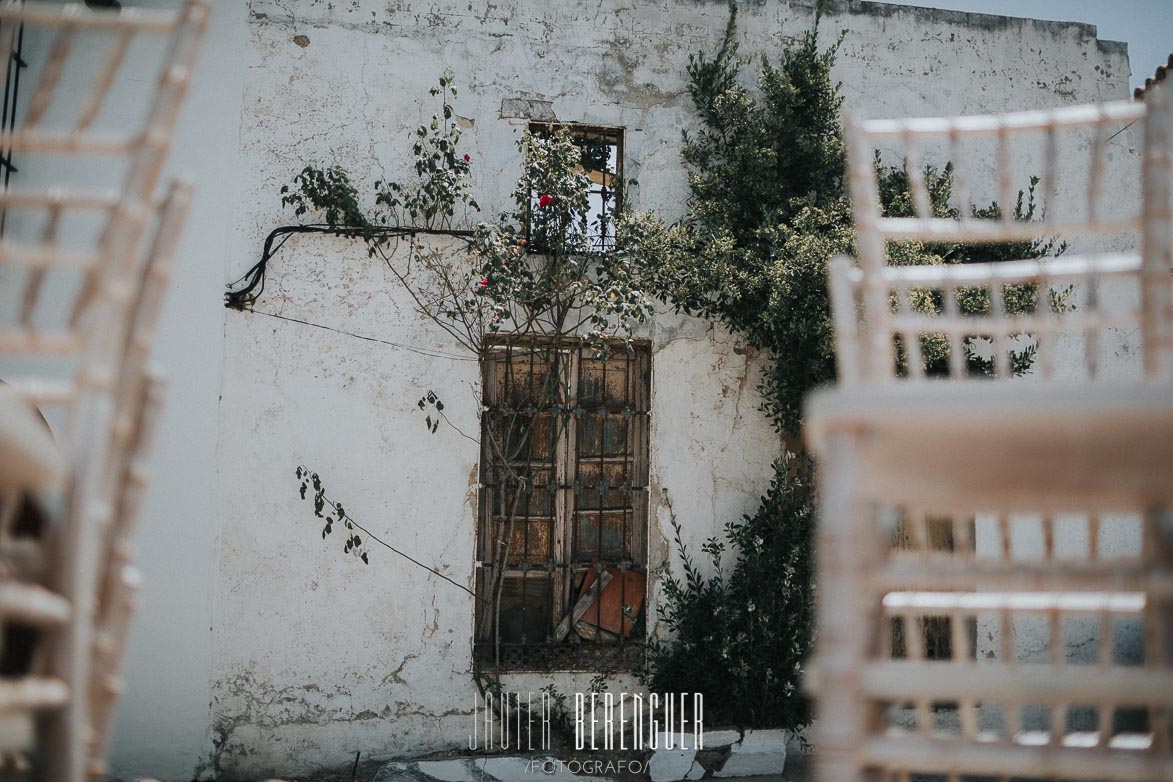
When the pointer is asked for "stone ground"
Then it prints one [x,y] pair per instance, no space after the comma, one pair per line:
[797,770]
[512,769]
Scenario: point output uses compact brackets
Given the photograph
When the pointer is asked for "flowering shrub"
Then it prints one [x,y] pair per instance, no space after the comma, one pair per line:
[768,210]
[488,282]
[742,638]
[495,284]
[569,286]
[443,174]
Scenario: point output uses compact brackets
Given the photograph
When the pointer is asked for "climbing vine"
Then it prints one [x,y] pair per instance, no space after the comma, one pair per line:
[766,212]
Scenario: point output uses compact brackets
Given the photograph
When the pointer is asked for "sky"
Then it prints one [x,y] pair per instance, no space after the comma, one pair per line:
[1145,25]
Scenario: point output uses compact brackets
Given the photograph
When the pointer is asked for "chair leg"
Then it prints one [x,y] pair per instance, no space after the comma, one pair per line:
[845,614]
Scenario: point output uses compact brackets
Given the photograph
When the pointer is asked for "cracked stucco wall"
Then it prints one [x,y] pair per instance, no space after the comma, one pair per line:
[314,656]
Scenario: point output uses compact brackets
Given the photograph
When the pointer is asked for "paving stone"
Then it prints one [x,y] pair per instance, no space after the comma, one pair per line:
[669,765]
[715,739]
[761,752]
[401,772]
[455,770]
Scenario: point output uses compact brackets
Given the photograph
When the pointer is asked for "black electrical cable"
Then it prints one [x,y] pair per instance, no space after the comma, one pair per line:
[252,282]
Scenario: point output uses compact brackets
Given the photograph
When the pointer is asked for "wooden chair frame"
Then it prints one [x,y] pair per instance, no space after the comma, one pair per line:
[108,330]
[871,301]
[926,487]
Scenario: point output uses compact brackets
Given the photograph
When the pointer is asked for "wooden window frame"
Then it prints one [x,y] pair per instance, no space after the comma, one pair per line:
[612,191]
[568,560]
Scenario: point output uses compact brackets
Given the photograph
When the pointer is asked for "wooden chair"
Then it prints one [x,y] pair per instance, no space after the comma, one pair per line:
[958,510]
[75,343]
[29,594]
[136,409]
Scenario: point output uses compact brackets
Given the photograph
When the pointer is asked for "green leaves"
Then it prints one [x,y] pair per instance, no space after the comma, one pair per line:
[443,186]
[330,513]
[741,635]
[443,183]
[541,269]
[767,211]
[570,288]
[430,400]
[327,191]
[710,79]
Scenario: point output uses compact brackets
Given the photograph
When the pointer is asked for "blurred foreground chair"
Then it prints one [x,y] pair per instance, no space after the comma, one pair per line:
[965,512]
[83,272]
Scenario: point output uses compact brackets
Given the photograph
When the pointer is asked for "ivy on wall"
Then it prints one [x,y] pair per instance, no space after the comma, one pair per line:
[766,212]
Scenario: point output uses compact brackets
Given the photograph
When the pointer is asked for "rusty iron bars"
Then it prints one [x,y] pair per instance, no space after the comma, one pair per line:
[562,540]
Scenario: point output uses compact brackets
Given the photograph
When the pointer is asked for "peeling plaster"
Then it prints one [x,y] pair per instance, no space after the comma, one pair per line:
[316,656]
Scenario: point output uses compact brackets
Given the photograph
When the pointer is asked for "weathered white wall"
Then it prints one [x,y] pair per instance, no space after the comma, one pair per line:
[314,651]
[260,649]
[317,657]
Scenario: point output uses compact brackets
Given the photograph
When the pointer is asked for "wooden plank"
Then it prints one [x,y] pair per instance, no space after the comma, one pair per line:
[585,602]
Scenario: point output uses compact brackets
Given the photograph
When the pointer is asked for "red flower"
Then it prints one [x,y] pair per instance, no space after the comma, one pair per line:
[467,158]
[484,281]
[545,200]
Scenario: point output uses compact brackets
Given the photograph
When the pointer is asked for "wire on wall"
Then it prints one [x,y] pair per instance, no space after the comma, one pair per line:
[244,292]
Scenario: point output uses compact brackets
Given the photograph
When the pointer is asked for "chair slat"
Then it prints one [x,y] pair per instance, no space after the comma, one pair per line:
[961,566]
